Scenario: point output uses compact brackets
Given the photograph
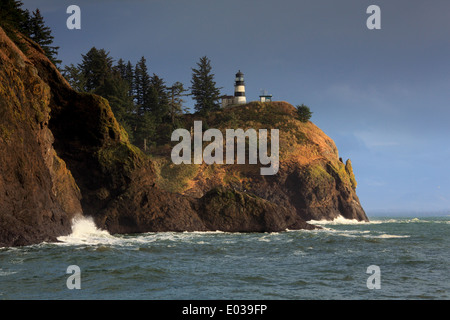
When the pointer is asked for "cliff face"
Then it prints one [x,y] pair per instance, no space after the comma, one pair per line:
[38,194]
[62,153]
[312,180]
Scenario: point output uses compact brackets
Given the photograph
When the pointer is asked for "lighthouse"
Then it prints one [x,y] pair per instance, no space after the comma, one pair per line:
[239,89]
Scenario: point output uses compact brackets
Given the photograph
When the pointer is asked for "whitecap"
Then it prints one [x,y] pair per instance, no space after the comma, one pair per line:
[387,236]
[360,234]
[84,231]
[6,273]
[337,221]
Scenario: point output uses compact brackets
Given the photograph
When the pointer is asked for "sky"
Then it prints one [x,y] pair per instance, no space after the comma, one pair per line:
[382,95]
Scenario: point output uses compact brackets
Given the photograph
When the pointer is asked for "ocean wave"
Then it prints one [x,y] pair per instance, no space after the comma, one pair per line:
[338,221]
[343,221]
[370,236]
[388,236]
[367,234]
[84,231]
[413,220]
[6,273]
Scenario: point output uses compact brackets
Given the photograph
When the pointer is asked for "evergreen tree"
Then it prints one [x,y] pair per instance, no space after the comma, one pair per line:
[141,86]
[96,68]
[120,68]
[203,88]
[42,35]
[12,16]
[175,94]
[115,90]
[75,77]
[13,19]
[158,99]
[304,113]
[144,122]
[25,25]
[145,130]
[143,105]
[126,73]
[129,78]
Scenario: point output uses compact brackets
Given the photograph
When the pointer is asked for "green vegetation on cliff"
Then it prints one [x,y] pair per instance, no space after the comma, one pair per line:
[14,19]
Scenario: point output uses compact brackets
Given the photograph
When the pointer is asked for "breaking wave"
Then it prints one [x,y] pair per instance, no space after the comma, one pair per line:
[84,231]
[343,221]
[337,221]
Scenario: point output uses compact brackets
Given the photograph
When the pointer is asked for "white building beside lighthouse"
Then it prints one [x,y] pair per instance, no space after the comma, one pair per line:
[239,92]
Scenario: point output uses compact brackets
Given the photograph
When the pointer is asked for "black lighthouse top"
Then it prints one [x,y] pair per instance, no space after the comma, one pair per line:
[239,78]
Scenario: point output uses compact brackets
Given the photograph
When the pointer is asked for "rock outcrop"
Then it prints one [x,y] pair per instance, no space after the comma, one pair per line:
[38,194]
[311,181]
[62,153]
[230,210]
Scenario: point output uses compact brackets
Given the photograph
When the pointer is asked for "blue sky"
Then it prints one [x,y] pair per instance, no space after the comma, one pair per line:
[382,95]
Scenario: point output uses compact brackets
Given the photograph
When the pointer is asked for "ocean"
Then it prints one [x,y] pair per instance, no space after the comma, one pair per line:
[387,258]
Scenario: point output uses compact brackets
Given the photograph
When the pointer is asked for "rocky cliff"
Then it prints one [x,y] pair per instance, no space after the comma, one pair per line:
[62,153]
[38,195]
[312,179]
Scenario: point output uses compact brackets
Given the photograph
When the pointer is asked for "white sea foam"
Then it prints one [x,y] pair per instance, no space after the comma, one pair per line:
[389,236]
[343,221]
[84,231]
[336,221]
[361,234]
[6,273]
[327,228]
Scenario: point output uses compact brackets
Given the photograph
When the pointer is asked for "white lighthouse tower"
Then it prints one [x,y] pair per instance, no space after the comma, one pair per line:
[239,89]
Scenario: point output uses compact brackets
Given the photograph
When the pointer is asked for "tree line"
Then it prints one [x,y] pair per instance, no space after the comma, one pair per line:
[31,24]
[147,108]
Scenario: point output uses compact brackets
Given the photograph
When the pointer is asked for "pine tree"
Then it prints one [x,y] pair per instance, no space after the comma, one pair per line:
[42,35]
[158,99]
[176,93]
[304,113]
[203,88]
[144,121]
[120,68]
[75,77]
[129,78]
[13,19]
[96,68]
[12,16]
[115,90]
[126,73]
[141,86]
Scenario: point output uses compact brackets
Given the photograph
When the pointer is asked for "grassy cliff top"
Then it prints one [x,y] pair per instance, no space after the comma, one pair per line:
[299,141]
[302,145]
